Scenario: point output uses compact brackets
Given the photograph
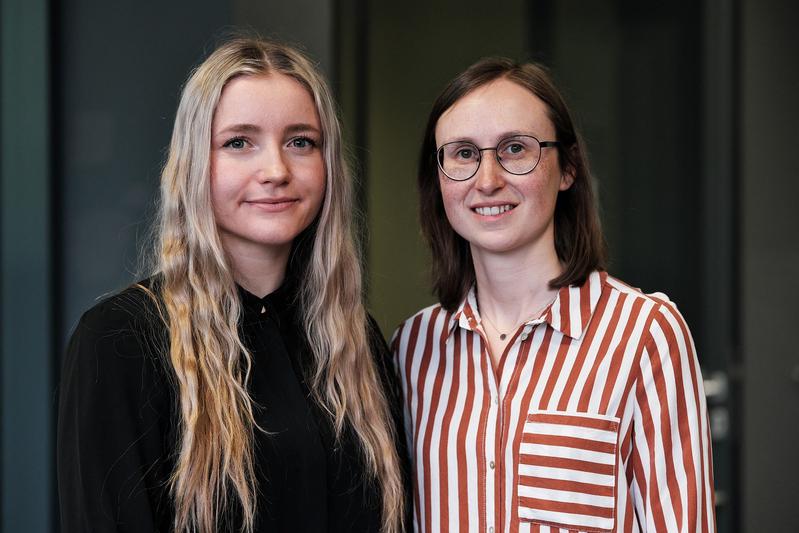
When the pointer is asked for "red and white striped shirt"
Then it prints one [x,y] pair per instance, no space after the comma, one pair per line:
[594,419]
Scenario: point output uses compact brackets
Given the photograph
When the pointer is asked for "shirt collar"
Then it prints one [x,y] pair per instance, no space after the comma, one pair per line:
[569,313]
[278,304]
[466,316]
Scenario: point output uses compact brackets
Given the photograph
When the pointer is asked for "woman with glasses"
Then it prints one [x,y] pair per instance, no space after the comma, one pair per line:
[242,387]
[541,393]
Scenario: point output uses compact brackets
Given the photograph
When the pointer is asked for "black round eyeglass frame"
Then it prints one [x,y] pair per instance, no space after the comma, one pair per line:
[439,155]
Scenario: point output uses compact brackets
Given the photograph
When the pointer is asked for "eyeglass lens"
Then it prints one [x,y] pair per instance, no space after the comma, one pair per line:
[518,155]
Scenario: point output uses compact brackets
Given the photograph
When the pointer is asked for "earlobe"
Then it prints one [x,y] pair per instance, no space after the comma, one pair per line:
[566,179]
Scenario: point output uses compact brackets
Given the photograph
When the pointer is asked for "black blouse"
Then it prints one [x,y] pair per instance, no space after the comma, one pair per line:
[118,411]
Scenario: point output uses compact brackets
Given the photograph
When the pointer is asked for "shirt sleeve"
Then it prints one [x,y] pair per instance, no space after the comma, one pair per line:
[112,424]
[672,459]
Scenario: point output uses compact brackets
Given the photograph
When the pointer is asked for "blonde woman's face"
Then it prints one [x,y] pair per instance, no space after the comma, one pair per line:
[267,168]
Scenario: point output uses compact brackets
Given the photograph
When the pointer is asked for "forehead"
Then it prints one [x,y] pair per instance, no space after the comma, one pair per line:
[263,99]
[493,110]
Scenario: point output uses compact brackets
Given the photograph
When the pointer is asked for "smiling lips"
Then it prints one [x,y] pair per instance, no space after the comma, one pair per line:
[493,210]
[273,205]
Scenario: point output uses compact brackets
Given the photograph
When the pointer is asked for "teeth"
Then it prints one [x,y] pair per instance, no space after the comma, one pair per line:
[492,211]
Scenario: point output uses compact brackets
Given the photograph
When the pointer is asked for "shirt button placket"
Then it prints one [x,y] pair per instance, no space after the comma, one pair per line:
[493,425]
[526,332]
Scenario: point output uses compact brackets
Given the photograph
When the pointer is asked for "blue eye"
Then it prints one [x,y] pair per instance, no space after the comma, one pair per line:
[237,143]
[302,143]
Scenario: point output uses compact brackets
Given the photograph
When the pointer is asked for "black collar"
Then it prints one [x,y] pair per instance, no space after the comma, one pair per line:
[280,305]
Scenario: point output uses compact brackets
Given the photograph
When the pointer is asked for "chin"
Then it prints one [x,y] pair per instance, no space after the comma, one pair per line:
[494,247]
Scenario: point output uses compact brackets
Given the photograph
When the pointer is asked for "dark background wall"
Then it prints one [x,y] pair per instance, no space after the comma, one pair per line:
[118,71]
[688,109]
[26,259]
[117,77]
[769,263]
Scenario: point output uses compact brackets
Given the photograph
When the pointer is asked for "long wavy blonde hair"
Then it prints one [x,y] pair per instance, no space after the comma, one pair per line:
[214,462]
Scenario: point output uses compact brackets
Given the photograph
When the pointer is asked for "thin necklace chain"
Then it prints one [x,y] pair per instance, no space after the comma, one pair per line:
[502,335]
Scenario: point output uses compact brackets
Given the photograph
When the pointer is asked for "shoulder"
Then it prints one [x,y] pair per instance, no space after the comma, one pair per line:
[119,339]
[116,414]
[131,309]
[615,284]
[658,300]
[661,313]
[420,325]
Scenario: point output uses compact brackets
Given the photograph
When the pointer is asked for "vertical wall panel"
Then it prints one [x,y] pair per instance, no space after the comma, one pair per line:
[120,69]
[720,334]
[769,258]
[25,239]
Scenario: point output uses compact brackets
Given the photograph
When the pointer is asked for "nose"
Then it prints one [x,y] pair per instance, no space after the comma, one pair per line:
[272,166]
[489,176]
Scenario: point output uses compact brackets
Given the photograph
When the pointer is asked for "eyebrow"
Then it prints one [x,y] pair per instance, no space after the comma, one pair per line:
[501,136]
[240,128]
[252,128]
[297,128]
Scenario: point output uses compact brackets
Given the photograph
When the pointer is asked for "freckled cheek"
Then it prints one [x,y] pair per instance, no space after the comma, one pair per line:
[539,191]
[454,201]
[542,190]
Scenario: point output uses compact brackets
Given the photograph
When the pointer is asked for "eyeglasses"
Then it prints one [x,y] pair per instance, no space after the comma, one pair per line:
[519,155]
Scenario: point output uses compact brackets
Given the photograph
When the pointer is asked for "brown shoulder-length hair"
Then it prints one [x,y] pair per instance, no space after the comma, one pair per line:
[579,242]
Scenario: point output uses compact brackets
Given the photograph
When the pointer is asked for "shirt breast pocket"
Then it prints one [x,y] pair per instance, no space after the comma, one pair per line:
[567,470]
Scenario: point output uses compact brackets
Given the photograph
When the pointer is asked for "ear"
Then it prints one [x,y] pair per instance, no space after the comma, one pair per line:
[566,178]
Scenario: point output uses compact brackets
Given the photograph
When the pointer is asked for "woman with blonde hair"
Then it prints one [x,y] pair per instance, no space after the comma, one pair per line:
[242,387]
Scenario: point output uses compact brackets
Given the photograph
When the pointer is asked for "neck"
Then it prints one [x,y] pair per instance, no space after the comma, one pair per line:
[260,270]
[513,287]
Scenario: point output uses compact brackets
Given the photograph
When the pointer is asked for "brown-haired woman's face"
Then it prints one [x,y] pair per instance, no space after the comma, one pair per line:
[497,211]
[267,168]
